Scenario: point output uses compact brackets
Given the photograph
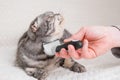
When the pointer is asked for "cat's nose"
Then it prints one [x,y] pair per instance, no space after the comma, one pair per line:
[59,17]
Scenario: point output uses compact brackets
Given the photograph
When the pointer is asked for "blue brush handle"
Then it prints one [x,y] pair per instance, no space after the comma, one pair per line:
[77,44]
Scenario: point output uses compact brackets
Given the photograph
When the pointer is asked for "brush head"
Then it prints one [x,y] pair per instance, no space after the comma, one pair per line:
[49,48]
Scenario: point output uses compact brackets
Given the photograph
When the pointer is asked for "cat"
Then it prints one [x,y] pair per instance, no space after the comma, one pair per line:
[31,56]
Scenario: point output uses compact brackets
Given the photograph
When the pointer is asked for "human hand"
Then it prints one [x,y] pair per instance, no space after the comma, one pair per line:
[96,41]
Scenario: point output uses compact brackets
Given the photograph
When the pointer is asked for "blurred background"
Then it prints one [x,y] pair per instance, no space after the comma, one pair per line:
[16,15]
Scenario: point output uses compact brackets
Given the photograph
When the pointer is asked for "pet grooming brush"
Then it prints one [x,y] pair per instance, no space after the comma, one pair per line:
[55,46]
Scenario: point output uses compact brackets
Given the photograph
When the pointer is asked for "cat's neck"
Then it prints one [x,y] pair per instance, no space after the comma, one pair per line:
[47,39]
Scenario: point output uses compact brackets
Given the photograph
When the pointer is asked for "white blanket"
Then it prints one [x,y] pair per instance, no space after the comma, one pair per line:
[106,67]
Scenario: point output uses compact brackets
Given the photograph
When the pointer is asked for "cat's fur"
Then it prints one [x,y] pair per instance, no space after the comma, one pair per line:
[31,57]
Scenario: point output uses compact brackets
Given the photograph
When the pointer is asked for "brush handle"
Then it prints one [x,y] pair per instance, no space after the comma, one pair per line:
[76,43]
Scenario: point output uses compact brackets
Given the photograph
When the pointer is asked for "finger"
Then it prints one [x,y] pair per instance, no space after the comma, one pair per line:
[57,54]
[72,52]
[86,51]
[77,36]
[64,54]
[85,46]
[79,50]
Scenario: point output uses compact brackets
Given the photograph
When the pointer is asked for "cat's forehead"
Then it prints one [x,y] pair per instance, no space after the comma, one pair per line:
[48,14]
[48,17]
[45,16]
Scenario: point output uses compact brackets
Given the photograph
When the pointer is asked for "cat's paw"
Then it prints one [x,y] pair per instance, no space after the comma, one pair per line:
[78,68]
[30,71]
[40,74]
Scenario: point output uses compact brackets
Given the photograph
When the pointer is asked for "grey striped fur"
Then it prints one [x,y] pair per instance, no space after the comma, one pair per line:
[31,57]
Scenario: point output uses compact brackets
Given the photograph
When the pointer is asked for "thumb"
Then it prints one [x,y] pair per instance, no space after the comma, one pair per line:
[77,36]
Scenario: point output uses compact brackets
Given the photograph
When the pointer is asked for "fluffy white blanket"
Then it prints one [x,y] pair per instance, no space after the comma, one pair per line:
[106,67]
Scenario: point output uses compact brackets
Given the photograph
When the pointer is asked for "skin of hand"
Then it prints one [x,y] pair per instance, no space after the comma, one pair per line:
[97,40]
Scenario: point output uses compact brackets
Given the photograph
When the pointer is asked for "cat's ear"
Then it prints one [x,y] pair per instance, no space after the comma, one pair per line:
[34,27]
[32,30]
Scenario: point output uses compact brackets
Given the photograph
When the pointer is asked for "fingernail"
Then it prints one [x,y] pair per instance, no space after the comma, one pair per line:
[70,48]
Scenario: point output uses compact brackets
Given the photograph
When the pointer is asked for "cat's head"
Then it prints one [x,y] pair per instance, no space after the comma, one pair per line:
[45,25]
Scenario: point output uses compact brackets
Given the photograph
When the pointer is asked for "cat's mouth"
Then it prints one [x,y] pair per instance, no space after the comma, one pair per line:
[60,22]
[59,18]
